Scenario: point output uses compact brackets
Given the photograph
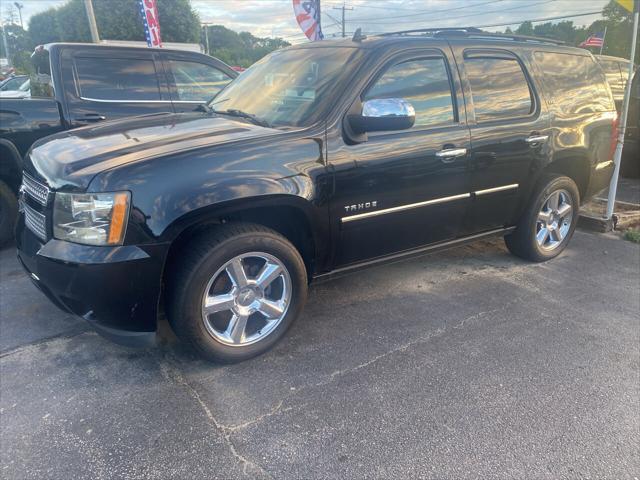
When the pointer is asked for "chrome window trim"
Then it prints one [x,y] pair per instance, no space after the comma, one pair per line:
[400,208]
[99,100]
[497,189]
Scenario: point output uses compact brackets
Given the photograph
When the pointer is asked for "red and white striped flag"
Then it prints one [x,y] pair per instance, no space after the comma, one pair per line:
[308,17]
[595,40]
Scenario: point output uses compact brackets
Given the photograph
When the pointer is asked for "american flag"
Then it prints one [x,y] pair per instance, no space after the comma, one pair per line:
[308,17]
[595,40]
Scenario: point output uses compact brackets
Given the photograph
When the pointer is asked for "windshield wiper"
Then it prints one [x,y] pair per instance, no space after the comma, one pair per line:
[203,107]
[234,112]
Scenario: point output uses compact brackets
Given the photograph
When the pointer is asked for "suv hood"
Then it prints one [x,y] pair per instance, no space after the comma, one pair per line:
[72,159]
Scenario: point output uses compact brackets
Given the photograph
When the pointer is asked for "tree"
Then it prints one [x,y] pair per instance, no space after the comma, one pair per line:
[242,48]
[20,46]
[116,20]
[617,21]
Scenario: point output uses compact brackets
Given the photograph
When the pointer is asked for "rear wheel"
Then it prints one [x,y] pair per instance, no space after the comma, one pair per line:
[236,291]
[548,224]
[8,213]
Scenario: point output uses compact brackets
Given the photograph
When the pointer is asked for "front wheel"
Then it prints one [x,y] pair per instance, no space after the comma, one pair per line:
[236,291]
[548,224]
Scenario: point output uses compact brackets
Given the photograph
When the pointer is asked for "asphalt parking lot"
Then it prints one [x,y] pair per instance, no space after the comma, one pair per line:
[468,363]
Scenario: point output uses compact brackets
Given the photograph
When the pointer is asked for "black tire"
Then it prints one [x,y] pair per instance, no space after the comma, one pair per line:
[200,259]
[8,213]
[522,242]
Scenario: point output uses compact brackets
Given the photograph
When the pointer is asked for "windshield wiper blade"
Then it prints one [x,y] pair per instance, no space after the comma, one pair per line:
[234,112]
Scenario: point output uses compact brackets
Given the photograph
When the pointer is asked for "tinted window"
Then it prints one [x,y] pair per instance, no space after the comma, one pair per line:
[197,81]
[499,88]
[614,77]
[423,83]
[575,83]
[117,79]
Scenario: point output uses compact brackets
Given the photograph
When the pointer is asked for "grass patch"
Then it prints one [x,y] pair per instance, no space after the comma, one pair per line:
[632,235]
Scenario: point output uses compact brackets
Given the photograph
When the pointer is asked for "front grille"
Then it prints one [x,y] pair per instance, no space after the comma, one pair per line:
[35,221]
[35,189]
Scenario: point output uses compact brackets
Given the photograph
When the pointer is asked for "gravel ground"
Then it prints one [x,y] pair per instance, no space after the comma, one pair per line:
[468,363]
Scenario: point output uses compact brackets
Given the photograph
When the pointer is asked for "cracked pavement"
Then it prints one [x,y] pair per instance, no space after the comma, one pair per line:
[466,363]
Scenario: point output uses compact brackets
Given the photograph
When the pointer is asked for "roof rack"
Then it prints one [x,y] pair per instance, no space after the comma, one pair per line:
[472,32]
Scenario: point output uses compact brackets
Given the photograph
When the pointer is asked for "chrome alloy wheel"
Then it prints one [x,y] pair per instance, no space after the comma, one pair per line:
[246,299]
[554,220]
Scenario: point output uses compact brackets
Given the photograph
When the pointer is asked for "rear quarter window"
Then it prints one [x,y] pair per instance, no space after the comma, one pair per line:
[499,88]
[575,84]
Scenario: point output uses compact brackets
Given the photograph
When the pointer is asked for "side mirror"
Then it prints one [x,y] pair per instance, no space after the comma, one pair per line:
[383,114]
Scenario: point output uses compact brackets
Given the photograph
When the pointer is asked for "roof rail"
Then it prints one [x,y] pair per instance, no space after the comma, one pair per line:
[475,33]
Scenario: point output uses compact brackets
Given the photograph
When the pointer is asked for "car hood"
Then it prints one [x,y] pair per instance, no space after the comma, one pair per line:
[72,159]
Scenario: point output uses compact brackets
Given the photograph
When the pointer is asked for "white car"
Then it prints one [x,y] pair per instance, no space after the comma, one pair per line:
[20,90]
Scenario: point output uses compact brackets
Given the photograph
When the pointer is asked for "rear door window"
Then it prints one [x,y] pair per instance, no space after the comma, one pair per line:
[499,87]
[197,82]
[614,77]
[425,84]
[117,79]
[574,83]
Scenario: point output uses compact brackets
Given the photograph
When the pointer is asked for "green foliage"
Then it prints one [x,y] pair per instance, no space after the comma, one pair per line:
[116,20]
[19,47]
[242,48]
[617,20]
[632,235]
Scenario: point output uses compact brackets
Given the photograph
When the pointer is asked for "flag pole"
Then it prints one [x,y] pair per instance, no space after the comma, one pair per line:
[622,125]
[604,35]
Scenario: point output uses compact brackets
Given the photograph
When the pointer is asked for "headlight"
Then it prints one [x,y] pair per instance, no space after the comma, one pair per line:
[91,218]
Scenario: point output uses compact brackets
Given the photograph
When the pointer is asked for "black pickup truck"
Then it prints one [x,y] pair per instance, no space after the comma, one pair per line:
[80,84]
[355,152]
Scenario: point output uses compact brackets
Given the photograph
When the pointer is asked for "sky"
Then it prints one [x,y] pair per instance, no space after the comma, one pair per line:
[275,17]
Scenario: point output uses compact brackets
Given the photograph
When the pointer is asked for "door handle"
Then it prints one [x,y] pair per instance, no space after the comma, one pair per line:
[535,139]
[91,117]
[448,155]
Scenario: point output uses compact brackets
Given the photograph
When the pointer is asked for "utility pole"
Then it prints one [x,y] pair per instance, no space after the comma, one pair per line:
[6,44]
[206,26]
[93,27]
[343,8]
[19,6]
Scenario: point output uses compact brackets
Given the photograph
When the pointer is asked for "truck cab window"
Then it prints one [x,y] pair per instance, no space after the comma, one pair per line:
[197,81]
[117,79]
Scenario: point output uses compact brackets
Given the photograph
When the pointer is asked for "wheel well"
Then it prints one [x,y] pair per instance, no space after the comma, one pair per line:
[290,222]
[576,168]
[10,168]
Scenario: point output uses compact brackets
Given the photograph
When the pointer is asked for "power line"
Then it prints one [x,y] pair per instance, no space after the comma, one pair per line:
[541,19]
[428,12]
[532,20]
[468,15]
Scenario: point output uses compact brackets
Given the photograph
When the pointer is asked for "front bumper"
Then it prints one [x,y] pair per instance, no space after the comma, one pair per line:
[116,289]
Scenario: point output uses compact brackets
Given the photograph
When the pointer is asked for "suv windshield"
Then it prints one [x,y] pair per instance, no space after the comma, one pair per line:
[290,88]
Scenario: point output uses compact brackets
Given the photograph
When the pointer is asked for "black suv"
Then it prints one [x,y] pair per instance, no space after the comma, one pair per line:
[319,160]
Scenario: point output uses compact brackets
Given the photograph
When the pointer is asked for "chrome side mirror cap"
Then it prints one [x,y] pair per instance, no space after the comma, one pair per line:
[384,114]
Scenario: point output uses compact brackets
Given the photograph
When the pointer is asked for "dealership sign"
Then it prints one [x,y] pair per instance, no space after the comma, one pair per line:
[149,11]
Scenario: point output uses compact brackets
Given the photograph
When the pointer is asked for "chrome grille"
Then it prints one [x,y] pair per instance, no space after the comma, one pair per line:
[35,221]
[35,189]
